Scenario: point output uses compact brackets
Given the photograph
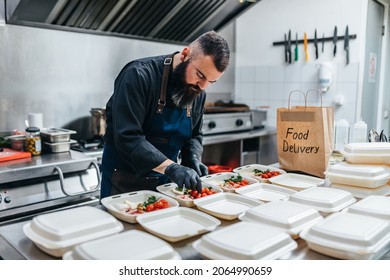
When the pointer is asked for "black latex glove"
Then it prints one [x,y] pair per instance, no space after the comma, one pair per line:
[194,163]
[184,176]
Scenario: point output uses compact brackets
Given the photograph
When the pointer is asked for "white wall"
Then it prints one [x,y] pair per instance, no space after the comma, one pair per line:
[262,76]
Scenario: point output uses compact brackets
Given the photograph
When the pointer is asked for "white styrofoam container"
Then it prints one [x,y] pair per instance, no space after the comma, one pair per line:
[245,241]
[130,245]
[178,223]
[167,189]
[363,192]
[359,175]
[296,181]
[375,206]
[249,170]
[266,192]
[113,203]
[57,232]
[288,216]
[367,152]
[349,236]
[324,199]
[217,180]
[225,205]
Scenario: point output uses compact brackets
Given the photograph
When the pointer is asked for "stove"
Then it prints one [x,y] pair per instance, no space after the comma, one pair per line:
[90,147]
[226,122]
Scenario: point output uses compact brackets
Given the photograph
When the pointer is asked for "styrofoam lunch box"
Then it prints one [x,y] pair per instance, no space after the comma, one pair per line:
[218,180]
[369,153]
[130,245]
[296,181]
[359,175]
[168,189]
[349,236]
[266,192]
[324,199]
[359,192]
[118,205]
[245,241]
[288,216]
[249,170]
[58,232]
[375,206]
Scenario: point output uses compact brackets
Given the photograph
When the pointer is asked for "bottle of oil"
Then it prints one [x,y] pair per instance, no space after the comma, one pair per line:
[342,134]
[33,141]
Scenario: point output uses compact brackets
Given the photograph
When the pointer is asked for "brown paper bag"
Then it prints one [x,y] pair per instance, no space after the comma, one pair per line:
[305,136]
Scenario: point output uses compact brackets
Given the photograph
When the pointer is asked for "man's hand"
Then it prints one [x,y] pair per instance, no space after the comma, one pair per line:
[183,176]
[197,165]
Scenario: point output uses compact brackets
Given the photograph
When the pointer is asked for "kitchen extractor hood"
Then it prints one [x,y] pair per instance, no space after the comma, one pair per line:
[171,21]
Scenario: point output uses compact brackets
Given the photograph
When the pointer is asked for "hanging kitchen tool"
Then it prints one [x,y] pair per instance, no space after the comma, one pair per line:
[382,137]
[335,41]
[373,136]
[285,48]
[346,44]
[305,47]
[316,43]
[289,46]
[296,47]
[323,41]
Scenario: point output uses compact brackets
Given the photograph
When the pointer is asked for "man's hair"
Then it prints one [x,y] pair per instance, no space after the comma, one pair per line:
[214,45]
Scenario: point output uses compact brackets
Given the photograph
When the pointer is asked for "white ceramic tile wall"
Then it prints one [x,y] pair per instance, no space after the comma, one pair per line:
[269,87]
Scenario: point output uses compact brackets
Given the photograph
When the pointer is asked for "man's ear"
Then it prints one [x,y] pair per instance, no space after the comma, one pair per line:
[185,54]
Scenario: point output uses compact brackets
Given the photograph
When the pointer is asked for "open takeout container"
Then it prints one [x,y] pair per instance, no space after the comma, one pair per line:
[368,152]
[249,170]
[296,181]
[170,190]
[245,241]
[288,216]
[120,205]
[218,180]
[349,236]
[266,192]
[359,175]
[374,206]
[58,232]
[178,223]
[130,245]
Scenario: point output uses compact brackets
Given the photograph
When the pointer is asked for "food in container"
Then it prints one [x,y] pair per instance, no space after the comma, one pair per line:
[259,172]
[245,241]
[178,223]
[229,181]
[33,141]
[360,175]
[128,206]
[129,245]
[375,206]
[186,197]
[58,232]
[349,236]
[324,199]
[358,192]
[288,216]
[266,192]
[58,147]
[55,135]
[368,152]
[225,205]
[296,181]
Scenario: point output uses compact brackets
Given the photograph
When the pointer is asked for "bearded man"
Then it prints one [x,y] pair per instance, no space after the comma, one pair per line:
[155,116]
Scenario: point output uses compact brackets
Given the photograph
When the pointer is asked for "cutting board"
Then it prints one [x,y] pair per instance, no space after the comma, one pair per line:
[9,154]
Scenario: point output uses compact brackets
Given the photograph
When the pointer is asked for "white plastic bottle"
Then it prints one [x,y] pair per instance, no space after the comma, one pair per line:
[359,132]
[342,134]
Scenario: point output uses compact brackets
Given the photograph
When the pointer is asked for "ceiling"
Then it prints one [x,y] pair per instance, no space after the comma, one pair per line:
[171,21]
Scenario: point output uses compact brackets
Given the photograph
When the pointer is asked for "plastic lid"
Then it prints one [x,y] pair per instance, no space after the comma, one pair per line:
[368,148]
[375,206]
[32,129]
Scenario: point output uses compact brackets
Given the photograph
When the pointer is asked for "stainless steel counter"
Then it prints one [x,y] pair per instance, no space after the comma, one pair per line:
[228,137]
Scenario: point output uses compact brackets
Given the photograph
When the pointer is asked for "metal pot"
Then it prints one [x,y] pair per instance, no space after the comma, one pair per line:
[98,121]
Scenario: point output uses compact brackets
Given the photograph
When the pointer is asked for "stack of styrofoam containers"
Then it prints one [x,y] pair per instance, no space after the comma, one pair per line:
[365,172]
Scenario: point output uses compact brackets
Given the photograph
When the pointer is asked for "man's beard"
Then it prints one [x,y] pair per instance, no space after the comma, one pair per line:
[183,94]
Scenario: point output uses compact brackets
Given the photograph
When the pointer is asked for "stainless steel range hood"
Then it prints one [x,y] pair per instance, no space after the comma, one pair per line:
[173,21]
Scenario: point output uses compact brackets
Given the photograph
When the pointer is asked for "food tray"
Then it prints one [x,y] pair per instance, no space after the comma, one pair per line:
[363,192]
[324,199]
[178,223]
[296,181]
[375,206]
[129,245]
[349,236]
[266,192]
[369,153]
[58,147]
[218,180]
[117,204]
[359,175]
[248,170]
[167,189]
[288,216]
[58,232]
[54,135]
[245,241]
[225,205]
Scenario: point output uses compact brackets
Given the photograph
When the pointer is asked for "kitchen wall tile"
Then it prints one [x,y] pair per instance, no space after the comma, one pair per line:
[293,73]
[276,73]
[262,73]
[247,90]
[276,91]
[247,74]
[261,91]
[348,73]
[349,90]
[309,73]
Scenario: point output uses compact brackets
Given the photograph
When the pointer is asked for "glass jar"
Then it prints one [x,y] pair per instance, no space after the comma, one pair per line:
[33,141]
